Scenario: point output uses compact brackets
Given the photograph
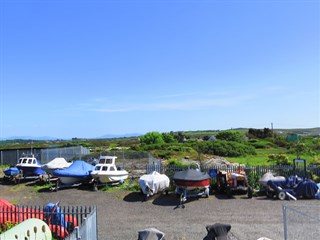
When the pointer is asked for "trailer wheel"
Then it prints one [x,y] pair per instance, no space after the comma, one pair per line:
[269,194]
[250,192]
[229,192]
[282,195]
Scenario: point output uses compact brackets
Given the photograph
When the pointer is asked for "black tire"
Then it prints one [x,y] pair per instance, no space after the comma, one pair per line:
[250,192]
[282,195]
[229,192]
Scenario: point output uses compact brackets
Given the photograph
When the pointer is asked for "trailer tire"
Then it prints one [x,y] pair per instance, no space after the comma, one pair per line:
[250,192]
[282,195]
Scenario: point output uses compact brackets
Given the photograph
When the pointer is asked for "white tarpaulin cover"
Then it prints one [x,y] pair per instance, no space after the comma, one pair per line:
[57,163]
[154,182]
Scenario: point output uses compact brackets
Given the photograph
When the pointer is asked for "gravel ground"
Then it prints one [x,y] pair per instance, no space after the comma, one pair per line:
[122,214]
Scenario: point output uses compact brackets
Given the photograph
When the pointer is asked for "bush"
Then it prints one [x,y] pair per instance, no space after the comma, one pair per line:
[225,148]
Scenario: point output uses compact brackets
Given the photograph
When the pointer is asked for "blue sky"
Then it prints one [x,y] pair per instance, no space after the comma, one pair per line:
[87,68]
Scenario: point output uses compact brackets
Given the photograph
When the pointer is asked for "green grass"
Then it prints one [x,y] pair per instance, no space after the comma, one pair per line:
[261,159]
[128,185]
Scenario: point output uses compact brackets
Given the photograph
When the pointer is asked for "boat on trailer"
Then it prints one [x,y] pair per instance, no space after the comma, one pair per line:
[56,163]
[30,166]
[77,173]
[106,171]
[191,183]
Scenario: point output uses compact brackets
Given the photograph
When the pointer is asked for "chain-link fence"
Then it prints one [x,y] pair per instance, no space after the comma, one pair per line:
[301,222]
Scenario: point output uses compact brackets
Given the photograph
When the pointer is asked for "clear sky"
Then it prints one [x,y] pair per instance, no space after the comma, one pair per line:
[87,68]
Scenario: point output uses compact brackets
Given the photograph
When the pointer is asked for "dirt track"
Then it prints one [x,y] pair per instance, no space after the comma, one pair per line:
[122,214]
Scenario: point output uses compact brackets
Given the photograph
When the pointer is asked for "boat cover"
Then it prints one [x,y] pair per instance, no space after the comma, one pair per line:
[296,186]
[38,171]
[218,231]
[153,183]
[57,163]
[269,176]
[54,213]
[191,175]
[11,171]
[78,168]
[5,204]
[150,234]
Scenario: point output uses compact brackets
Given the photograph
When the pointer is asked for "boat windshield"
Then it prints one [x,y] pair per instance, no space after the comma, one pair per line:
[105,161]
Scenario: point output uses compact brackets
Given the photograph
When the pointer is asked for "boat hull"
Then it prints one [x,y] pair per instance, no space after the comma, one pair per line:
[28,171]
[191,185]
[109,178]
[69,180]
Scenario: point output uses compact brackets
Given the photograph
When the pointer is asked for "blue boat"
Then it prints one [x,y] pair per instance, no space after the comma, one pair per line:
[78,172]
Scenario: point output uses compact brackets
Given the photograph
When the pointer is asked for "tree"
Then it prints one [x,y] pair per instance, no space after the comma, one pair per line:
[231,135]
[152,138]
[169,138]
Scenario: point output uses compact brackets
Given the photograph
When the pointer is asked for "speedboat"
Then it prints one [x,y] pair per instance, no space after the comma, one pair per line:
[106,171]
[78,172]
[188,182]
[30,166]
[191,179]
[56,163]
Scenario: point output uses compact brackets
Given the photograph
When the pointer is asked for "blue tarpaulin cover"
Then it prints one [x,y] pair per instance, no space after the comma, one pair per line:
[296,186]
[78,168]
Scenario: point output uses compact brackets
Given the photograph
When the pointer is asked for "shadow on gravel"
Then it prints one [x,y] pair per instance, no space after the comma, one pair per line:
[223,197]
[134,197]
[166,200]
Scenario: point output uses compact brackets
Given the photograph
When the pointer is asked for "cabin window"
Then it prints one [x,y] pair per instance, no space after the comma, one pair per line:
[24,160]
[104,168]
[109,160]
[112,168]
[101,161]
[20,160]
[34,161]
[97,168]
[29,161]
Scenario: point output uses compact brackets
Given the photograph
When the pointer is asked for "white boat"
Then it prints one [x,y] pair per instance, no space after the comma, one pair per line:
[56,163]
[106,171]
[30,166]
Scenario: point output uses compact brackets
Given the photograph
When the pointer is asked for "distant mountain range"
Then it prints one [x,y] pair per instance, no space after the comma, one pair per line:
[55,138]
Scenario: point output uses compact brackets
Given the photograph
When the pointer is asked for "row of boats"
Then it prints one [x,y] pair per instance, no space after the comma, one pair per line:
[68,173]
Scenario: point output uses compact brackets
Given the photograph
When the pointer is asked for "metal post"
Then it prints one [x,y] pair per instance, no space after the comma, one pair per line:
[284,213]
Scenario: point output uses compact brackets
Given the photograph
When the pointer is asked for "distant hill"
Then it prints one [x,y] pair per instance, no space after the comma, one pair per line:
[121,135]
[301,131]
[48,138]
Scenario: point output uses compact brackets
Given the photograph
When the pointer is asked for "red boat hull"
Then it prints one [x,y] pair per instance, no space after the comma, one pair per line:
[193,184]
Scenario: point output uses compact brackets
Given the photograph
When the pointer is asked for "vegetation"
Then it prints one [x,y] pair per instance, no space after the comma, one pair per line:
[246,146]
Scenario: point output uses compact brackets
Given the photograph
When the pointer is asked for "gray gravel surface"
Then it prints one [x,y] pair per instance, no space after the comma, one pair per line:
[122,214]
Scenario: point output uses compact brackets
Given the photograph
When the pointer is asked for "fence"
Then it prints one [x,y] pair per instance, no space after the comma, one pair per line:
[10,157]
[301,222]
[65,222]
[88,228]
